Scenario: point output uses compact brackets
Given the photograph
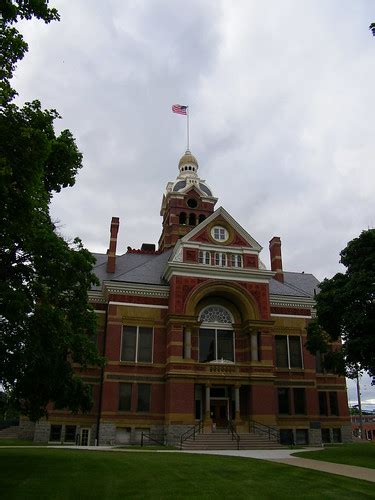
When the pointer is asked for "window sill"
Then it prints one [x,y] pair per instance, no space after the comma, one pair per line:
[136,363]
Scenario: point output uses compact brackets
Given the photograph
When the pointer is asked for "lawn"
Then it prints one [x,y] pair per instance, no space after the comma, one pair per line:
[360,454]
[77,474]
[18,442]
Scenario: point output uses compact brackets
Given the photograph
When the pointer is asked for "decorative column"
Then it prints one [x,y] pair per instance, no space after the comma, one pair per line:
[237,402]
[207,413]
[187,343]
[254,346]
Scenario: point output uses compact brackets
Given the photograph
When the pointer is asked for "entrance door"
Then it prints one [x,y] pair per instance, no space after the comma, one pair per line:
[85,437]
[219,412]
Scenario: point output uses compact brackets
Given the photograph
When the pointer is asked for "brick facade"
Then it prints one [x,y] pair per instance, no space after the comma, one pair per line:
[201,340]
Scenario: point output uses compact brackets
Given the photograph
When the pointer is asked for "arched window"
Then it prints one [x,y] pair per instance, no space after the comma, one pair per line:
[201,218]
[220,259]
[182,218]
[216,338]
[204,257]
[192,220]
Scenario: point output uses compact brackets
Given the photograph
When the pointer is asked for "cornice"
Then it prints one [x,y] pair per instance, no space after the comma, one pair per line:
[221,273]
[291,301]
[138,289]
[96,296]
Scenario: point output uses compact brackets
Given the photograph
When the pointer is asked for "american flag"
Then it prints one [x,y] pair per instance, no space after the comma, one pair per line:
[181,110]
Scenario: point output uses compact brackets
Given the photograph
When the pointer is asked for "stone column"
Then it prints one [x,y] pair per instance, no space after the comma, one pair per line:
[237,402]
[254,346]
[207,415]
[187,343]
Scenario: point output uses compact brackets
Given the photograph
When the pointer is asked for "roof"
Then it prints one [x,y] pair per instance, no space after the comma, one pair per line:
[149,268]
[295,284]
[133,268]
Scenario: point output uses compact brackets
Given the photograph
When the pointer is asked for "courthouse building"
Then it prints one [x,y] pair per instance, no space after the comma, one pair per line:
[201,330]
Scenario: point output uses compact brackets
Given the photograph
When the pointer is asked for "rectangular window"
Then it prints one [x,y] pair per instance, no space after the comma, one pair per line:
[319,362]
[326,435]
[299,397]
[302,436]
[323,408]
[125,397]
[215,344]
[137,344]
[144,396]
[70,433]
[286,436]
[333,403]
[236,260]
[288,351]
[281,351]
[336,435]
[55,433]
[295,355]
[283,400]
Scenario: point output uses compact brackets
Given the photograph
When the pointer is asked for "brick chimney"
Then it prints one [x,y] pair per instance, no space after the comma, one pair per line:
[276,259]
[111,252]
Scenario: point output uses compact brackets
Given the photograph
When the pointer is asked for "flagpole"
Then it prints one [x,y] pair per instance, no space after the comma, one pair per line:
[187,126]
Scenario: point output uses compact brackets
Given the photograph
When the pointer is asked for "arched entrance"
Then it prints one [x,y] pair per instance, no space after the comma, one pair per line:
[217,346]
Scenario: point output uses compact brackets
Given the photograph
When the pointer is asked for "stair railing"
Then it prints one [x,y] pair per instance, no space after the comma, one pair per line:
[235,436]
[271,432]
[192,432]
[153,439]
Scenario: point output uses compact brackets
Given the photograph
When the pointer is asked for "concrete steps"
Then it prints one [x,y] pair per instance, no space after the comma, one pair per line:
[9,432]
[223,441]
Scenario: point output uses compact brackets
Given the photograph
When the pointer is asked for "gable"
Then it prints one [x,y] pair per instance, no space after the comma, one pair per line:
[235,235]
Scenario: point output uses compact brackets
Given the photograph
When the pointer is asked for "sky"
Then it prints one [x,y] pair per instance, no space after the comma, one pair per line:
[281,100]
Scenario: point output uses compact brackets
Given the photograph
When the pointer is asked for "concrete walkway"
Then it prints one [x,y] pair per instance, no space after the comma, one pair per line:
[285,457]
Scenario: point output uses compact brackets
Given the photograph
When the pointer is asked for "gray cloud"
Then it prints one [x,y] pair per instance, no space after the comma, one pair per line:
[282,107]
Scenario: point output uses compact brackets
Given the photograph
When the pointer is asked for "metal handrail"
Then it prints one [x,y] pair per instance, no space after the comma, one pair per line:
[196,429]
[144,434]
[265,429]
[232,429]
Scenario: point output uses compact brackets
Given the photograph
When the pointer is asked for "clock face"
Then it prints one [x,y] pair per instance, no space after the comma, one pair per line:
[219,233]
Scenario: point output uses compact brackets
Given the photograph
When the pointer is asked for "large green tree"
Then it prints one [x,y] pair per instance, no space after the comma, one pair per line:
[46,322]
[345,308]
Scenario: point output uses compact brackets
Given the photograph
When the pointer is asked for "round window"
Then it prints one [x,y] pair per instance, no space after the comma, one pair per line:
[192,203]
[219,233]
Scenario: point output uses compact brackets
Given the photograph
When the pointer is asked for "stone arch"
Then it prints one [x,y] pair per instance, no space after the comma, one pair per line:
[231,295]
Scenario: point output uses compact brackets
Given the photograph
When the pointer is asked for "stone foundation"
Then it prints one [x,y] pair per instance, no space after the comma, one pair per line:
[315,437]
[346,434]
[26,429]
[42,431]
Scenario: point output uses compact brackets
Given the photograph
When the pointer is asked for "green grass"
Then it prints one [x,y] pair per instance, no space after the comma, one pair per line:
[18,442]
[360,454]
[53,474]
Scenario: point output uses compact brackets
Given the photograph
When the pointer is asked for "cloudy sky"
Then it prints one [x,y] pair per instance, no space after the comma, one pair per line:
[282,107]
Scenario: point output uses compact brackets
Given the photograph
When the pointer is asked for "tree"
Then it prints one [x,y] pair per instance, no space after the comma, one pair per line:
[46,323]
[372,28]
[345,309]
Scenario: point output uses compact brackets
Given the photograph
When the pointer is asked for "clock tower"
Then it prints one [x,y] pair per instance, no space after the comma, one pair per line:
[187,202]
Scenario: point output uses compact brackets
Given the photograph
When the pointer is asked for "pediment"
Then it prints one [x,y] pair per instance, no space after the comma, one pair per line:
[236,236]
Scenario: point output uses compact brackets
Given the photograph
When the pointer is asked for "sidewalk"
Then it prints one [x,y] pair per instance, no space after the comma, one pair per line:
[340,469]
[285,457]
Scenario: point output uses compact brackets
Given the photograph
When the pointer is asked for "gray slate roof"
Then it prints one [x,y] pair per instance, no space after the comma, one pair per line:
[133,268]
[149,269]
[295,284]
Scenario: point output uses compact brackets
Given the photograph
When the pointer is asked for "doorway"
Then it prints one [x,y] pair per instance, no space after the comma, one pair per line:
[85,437]
[219,412]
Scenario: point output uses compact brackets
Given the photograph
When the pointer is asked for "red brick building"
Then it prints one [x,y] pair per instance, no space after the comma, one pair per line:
[200,330]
